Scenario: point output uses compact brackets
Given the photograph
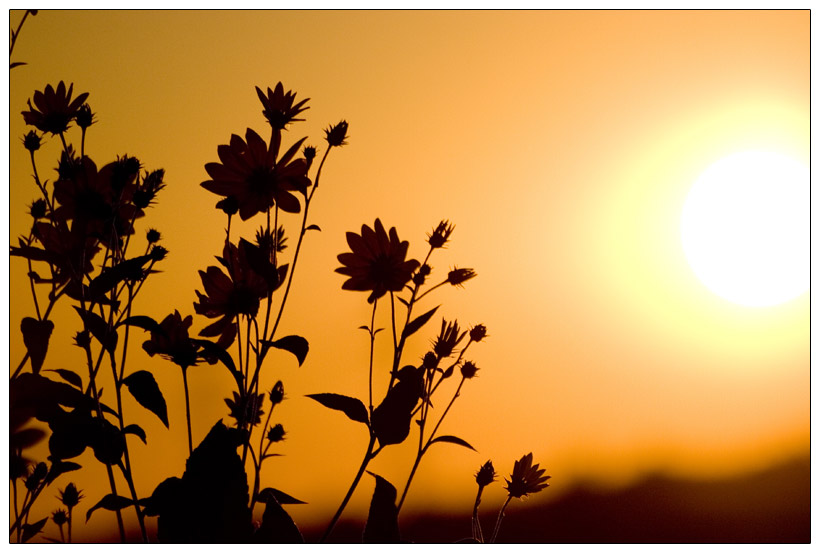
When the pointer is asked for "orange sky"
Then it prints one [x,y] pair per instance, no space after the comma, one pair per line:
[562,144]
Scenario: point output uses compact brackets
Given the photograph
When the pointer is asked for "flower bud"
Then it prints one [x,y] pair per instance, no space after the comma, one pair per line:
[38,209]
[468,369]
[457,277]
[337,134]
[440,234]
[229,205]
[276,433]
[158,253]
[36,476]
[430,360]
[277,394]
[84,117]
[309,152]
[153,236]
[486,474]
[60,517]
[71,496]
[478,333]
[82,339]
[31,141]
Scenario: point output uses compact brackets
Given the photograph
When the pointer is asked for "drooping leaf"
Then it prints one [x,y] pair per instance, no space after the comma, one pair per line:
[35,254]
[136,430]
[99,329]
[418,322]
[404,301]
[280,496]
[14,64]
[383,519]
[391,419]
[110,502]
[313,227]
[35,336]
[69,376]
[453,440]
[277,526]
[60,467]
[144,322]
[297,345]
[31,530]
[144,388]
[352,407]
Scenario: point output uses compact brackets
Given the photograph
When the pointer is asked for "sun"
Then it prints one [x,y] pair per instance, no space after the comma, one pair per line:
[745,228]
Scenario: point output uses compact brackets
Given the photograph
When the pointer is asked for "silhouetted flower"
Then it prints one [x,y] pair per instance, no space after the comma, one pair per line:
[153,236]
[250,172]
[173,343]
[84,116]
[468,369]
[82,339]
[229,205]
[457,277]
[486,474]
[478,333]
[150,187]
[38,208]
[276,433]
[309,152]
[55,108]
[266,241]
[71,496]
[246,409]
[448,338]
[336,134]
[277,393]
[60,517]
[430,361]
[157,253]
[526,478]
[31,141]
[279,107]
[226,296]
[376,262]
[440,234]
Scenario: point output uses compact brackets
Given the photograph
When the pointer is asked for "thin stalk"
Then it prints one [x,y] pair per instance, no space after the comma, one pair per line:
[500,518]
[16,33]
[16,510]
[187,409]
[70,519]
[478,535]
[365,461]
[370,365]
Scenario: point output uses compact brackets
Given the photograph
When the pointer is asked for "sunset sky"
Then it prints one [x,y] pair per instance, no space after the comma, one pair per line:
[562,144]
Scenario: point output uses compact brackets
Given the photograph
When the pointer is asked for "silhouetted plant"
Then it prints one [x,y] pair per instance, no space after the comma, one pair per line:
[525,479]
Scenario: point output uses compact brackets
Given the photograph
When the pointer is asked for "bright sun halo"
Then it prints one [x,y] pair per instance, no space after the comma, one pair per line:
[745,228]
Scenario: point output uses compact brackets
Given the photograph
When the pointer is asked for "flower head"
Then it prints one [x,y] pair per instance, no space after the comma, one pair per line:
[309,152]
[84,117]
[526,478]
[38,208]
[249,171]
[31,141]
[376,262]
[153,236]
[468,369]
[486,474]
[276,433]
[448,338]
[71,496]
[458,277]
[478,333]
[246,408]
[337,134]
[60,517]
[173,342]
[279,107]
[55,108]
[277,393]
[440,235]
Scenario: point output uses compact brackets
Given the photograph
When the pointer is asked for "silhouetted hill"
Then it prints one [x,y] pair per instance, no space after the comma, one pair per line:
[771,506]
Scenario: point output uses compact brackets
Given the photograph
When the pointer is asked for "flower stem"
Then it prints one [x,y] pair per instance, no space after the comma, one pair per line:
[367,458]
[478,535]
[187,409]
[500,518]
[370,366]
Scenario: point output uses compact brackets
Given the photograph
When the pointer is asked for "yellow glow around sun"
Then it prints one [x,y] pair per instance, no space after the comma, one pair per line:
[745,228]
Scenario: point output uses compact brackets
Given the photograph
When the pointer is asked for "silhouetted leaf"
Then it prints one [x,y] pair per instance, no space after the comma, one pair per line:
[12,66]
[60,467]
[210,349]
[352,407]
[31,530]
[136,430]
[383,519]
[313,227]
[280,496]
[33,395]
[297,345]
[110,502]
[35,254]
[99,329]
[404,301]
[391,420]
[107,441]
[26,438]
[35,336]
[418,322]
[277,526]
[144,388]
[144,322]
[69,376]
[452,440]
[130,269]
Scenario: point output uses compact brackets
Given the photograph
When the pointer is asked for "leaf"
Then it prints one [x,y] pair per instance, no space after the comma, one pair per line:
[137,431]
[35,336]
[391,419]
[110,502]
[144,322]
[277,526]
[453,440]
[383,519]
[418,322]
[280,496]
[144,388]
[69,376]
[12,66]
[297,345]
[99,328]
[313,227]
[211,349]
[60,467]
[352,407]
[31,530]
[404,301]
[109,278]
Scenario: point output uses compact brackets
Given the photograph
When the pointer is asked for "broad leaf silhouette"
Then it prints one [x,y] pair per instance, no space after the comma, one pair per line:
[144,388]
[277,526]
[99,328]
[352,407]
[209,504]
[110,502]
[35,337]
[69,376]
[391,419]
[383,519]
[453,440]
[297,345]
[418,322]
[31,530]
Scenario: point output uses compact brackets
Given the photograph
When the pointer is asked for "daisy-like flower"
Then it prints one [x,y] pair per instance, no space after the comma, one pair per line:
[526,478]
[173,343]
[54,108]
[376,262]
[279,107]
[246,409]
[226,296]
[249,171]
